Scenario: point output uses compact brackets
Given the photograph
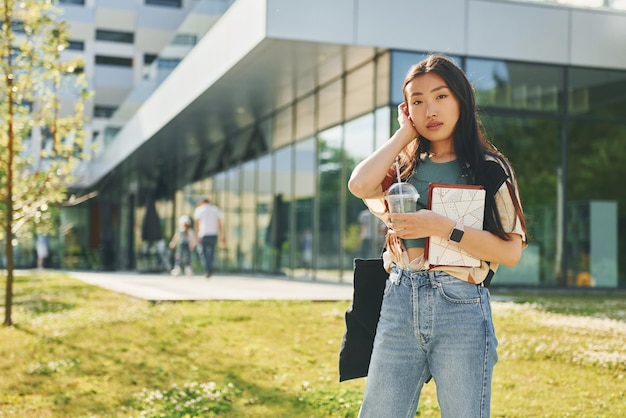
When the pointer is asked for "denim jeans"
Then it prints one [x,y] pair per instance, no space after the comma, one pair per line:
[183,255]
[431,325]
[208,251]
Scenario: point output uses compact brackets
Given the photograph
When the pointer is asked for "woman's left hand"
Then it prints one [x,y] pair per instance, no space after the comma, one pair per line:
[421,224]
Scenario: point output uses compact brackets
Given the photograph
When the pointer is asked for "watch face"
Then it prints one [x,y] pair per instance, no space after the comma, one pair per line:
[456,235]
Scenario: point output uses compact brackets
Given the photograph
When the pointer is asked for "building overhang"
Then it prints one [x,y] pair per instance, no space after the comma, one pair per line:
[263,54]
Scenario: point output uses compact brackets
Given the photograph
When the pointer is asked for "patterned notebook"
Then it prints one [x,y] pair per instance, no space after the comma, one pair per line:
[461,203]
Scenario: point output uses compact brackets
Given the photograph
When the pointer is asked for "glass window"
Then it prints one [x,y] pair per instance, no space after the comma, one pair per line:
[265,208]
[515,85]
[74,45]
[359,94]
[280,223]
[17,26]
[331,186]
[329,105]
[363,235]
[304,202]
[165,3]
[167,63]
[100,111]
[149,58]
[219,198]
[115,36]
[184,39]
[114,61]
[401,62]
[597,92]
[245,254]
[232,211]
[383,125]
[532,146]
[596,228]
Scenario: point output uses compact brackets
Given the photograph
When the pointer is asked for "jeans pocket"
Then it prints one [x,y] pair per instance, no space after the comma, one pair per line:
[458,291]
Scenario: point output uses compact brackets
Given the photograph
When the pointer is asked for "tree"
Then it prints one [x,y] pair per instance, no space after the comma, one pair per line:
[42,96]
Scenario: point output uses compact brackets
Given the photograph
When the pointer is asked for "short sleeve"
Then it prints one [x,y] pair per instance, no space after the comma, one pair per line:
[511,222]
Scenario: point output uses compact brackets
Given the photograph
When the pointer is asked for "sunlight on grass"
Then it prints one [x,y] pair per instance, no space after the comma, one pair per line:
[81,351]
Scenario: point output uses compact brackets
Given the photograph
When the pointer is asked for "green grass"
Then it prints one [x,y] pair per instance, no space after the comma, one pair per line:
[80,351]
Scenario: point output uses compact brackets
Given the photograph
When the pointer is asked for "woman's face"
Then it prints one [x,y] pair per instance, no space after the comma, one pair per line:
[432,107]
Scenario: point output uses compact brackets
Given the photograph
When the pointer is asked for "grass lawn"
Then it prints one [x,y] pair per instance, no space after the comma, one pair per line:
[80,351]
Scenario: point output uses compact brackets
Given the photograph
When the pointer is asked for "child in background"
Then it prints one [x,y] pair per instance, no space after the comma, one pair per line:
[184,241]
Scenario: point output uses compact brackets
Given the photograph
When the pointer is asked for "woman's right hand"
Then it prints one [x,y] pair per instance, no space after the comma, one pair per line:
[404,119]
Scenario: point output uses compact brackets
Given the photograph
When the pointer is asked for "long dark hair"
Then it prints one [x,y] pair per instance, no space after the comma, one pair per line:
[470,142]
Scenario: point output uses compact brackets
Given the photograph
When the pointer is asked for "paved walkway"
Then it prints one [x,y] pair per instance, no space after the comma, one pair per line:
[163,287]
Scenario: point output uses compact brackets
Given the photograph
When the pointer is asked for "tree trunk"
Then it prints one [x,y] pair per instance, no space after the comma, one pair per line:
[8,235]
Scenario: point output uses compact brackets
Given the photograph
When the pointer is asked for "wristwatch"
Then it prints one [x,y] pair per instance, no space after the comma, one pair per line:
[457,232]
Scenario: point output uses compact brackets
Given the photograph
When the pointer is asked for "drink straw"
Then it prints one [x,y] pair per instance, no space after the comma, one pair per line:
[398,169]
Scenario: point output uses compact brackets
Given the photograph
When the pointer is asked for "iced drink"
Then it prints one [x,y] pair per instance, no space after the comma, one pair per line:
[402,198]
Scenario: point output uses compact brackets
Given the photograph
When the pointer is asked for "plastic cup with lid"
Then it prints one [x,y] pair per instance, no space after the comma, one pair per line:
[402,198]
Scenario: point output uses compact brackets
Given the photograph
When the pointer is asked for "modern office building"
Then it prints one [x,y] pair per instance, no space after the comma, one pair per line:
[265,106]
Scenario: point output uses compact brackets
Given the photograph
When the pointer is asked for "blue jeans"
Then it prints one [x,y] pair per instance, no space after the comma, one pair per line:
[183,255]
[431,324]
[208,251]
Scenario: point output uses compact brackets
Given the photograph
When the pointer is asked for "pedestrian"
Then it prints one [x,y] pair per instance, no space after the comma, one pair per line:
[183,242]
[208,225]
[43,250]
[435,321]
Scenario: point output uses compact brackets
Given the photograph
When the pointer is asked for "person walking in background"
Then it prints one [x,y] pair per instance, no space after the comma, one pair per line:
[436,321]
[184,241]
[208,225]
[43,250]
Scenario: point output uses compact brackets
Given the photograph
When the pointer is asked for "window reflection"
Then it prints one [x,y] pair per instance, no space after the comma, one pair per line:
[245,252]
[232,211]
[515,85]
[597,209]
[279,237]
[264,210]
[383,125]
[597,92]
[331,185]
[219,199]
[532,146]
[401,61]
[362,234]
[304,198]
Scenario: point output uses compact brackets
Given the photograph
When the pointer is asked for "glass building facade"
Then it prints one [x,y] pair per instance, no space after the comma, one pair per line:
[282,185]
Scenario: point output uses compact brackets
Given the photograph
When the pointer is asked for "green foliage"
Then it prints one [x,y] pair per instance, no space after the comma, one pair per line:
[42,97]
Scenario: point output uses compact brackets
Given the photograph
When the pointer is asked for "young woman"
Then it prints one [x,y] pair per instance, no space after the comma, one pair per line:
[436,321]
